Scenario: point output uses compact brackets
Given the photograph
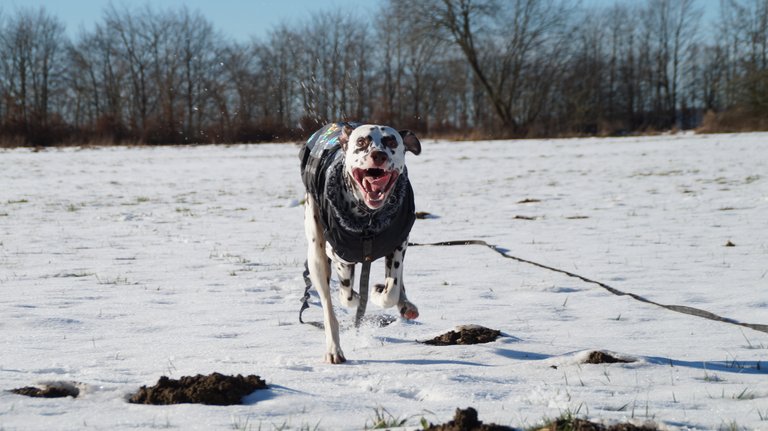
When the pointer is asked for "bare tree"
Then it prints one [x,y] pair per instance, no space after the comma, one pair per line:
[97,75]
[31,48]
[745,29]
[670,28]
[411,54]
[135,46]
[512,47]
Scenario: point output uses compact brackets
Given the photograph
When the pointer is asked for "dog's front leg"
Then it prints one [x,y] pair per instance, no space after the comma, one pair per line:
[393,290]
[347,296]
[319,274]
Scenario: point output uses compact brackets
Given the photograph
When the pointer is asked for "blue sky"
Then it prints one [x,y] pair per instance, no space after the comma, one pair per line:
[239,19]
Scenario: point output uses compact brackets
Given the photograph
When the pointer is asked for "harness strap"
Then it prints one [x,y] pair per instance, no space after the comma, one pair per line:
[365,274]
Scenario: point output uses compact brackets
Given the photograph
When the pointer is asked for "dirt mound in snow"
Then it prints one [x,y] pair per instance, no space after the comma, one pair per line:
[598,357]
[466,420]
[572,424]
[423,215]
[214,389]
[51,390]
[468,334]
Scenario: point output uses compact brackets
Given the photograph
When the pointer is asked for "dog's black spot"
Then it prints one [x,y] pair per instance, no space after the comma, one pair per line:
[397,264]
[345,282]
[395,282]
[400,248]
[363,144]
[379,288]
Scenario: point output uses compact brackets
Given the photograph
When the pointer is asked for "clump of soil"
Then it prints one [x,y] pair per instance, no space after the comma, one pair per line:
[49,391]
[215,389]
[468,334]
[573,424]
[598,357]
[466,420]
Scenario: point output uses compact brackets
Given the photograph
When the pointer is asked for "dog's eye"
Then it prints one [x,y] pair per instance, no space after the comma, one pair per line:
[362,142]
[389,142]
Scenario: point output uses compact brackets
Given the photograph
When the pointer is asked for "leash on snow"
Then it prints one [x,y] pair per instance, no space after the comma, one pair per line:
[365,275]
[366,269]
[677,308]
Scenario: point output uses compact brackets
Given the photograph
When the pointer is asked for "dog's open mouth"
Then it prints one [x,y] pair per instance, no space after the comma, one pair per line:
[375,184]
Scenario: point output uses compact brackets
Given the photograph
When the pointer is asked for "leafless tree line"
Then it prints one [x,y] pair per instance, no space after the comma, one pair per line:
[476,68]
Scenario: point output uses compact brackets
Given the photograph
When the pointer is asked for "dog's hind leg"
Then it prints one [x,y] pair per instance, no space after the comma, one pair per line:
[407,308]
[319,275]
[347,295]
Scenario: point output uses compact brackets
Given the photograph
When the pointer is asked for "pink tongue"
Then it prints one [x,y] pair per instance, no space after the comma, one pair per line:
[377,184]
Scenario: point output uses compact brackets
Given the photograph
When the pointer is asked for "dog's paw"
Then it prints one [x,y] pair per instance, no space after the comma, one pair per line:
[409,311]
[349,300]
[336,357]
[386,296]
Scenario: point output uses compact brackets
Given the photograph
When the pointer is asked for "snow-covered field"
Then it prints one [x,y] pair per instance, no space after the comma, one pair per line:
[119,265]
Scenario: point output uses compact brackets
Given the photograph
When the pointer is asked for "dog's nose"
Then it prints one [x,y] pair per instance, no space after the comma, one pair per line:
[379,157]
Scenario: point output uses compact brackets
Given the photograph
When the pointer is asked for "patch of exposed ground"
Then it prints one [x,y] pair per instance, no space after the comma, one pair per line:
[214,389]
[466,420]
[423,215]
[51,390]
[467,334]
[572,424]
[598,357]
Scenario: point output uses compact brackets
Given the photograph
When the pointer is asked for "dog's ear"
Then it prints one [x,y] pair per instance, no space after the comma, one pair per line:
[411,142]
[346,130]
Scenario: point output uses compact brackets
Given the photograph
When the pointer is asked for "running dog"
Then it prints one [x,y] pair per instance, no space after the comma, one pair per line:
[359,208]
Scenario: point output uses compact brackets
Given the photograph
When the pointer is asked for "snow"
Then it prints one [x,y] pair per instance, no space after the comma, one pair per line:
[119,265]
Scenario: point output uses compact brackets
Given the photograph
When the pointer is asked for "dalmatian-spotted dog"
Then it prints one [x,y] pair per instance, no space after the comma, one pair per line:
[359,207]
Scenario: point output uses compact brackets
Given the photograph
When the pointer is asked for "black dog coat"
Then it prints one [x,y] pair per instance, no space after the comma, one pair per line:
[321,157]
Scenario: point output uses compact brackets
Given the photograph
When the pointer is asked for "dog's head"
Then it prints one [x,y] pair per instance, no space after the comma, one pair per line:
[374,157]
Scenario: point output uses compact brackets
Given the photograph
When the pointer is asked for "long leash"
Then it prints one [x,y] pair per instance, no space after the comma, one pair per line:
[677,308]
[365,275]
